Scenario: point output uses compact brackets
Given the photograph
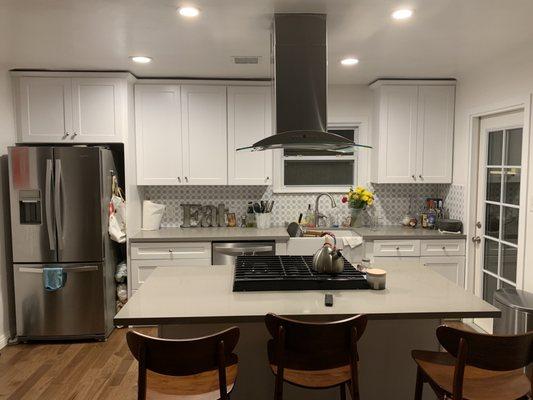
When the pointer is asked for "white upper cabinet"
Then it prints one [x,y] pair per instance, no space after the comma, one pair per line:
[397,134]
[98,109]
[203,121]
[44,109]
[71,110]
[249,120]
[435,133]
[158,135]
[413,132]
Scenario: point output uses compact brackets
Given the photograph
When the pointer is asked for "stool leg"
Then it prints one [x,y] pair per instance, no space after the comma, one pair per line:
[419,384]
[343,391]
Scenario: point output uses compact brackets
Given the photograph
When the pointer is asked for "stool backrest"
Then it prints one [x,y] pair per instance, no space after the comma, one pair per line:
[181,357]
[491,352]
[316,346]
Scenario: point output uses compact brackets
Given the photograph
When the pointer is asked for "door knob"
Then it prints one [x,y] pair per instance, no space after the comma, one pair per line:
[476,239]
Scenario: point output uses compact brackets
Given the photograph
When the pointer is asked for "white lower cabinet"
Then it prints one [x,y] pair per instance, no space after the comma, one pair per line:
[452,268]
[446,257]
[146,257]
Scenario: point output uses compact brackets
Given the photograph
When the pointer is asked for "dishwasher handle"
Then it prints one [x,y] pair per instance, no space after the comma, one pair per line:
[238,251]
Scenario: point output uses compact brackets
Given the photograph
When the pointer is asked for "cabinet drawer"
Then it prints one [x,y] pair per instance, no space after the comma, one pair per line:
[141,270]
[442,247]
[171,251]
[397,248]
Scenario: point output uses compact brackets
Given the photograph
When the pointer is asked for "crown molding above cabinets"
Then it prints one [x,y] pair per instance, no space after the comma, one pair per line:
[188,134]
[413,131]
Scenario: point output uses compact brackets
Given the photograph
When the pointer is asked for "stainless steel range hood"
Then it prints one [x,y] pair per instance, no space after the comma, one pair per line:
[300,79]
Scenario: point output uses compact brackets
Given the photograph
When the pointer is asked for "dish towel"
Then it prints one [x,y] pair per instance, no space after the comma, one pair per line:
[53,278]
[352,241]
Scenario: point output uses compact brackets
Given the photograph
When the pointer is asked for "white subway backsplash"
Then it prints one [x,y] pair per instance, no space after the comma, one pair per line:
[392,201]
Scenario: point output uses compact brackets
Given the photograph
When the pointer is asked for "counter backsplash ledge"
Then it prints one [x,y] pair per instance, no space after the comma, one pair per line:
[392,201]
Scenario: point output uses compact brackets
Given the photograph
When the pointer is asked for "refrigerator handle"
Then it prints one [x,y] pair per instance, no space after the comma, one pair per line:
[48,205]
[57,205]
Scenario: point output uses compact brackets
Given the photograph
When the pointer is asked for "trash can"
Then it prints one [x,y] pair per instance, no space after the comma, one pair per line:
[517,312]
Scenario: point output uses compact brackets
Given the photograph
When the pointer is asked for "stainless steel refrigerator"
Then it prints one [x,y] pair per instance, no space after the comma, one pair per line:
[59,218]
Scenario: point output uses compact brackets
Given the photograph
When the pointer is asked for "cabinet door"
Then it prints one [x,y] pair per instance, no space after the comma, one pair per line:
[249,120]
[452,268]
[205,151]
[158,135]
[397,122]
[45,110]
[141,269]
[435,133]
[98,106]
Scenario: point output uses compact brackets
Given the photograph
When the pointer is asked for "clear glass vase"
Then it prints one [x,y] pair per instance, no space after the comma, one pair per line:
[356,220]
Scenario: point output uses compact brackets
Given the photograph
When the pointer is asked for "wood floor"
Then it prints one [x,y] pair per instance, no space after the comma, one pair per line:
[89,370]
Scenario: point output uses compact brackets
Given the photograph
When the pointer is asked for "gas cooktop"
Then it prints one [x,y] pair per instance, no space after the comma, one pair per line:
[272,273]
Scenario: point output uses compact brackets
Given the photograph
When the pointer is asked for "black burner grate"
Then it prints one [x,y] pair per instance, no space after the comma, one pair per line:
[263,273]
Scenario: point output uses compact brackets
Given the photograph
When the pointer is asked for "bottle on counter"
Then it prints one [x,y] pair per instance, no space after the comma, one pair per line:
[309,218]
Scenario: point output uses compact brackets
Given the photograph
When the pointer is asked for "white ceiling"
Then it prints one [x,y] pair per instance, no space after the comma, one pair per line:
[443,39]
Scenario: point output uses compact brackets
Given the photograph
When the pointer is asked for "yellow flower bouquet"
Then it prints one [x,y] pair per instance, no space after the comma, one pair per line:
[359,198]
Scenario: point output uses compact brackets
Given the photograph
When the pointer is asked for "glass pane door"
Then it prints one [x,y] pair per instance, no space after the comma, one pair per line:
[500,222]
[502,210]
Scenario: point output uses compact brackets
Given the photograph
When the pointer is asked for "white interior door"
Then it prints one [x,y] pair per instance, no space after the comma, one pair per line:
[501,208]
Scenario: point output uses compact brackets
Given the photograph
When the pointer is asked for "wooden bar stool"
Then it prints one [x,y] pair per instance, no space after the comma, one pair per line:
[476,366]
[315,355]
[190,369]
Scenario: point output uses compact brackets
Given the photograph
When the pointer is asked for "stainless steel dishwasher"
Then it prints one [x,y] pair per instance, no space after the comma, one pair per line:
[224,253]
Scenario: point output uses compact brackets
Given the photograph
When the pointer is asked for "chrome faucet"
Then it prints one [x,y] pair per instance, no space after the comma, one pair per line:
[318,215]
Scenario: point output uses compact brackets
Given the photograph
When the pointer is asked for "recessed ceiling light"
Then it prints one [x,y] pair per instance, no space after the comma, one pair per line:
[403,13]
[188,11]
[350,61]
[141,59]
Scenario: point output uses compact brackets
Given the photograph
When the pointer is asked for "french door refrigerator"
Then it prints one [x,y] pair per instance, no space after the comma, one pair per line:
[59,217]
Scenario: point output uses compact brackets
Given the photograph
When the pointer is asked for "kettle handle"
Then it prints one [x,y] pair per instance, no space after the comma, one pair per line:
[333,237]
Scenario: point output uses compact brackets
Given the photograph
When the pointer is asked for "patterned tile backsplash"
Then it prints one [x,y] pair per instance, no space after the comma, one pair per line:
[392,201]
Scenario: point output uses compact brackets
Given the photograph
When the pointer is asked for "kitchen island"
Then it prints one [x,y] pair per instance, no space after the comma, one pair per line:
[192,301]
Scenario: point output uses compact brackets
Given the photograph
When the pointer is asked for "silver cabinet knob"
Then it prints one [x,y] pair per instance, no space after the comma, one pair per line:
[170,251]
[476,239]
[179,179]
[420,176]
[414,177]
[74,134]
[267,178]
[397,247]
[443,247]
[186,179]
[66,135]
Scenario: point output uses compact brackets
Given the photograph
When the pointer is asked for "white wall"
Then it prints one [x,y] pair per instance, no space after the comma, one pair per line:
[7,137]
[504,79]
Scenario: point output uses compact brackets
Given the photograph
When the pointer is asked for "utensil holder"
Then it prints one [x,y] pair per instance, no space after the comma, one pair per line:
[263,220]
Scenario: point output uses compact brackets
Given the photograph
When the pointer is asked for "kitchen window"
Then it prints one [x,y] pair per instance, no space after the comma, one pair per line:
[313,171]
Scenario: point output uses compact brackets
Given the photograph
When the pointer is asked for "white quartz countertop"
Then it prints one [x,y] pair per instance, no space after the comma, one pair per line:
[395,232]
[204,294]
[280,234]
[210,234]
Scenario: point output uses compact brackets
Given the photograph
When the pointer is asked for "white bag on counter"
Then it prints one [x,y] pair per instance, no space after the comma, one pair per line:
[152,214]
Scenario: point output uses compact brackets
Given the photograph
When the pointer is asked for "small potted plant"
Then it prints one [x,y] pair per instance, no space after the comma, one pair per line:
[358,199]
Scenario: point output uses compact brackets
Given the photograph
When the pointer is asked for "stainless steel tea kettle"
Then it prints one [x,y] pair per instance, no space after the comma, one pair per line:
[327,259]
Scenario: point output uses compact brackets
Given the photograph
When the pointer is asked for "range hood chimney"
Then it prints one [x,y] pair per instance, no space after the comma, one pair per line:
[300,79]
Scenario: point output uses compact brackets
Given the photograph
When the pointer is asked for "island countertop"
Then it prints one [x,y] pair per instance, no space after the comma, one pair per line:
[210,234]
[193,294]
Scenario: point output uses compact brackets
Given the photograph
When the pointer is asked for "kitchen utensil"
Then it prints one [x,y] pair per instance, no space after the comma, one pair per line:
[376,278]
[263,206]
[300,218]
[257,208]
[327,259]
[271,206]
[295,230]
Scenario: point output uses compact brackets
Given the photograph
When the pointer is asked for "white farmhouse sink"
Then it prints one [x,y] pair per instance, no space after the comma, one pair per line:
[301,246]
